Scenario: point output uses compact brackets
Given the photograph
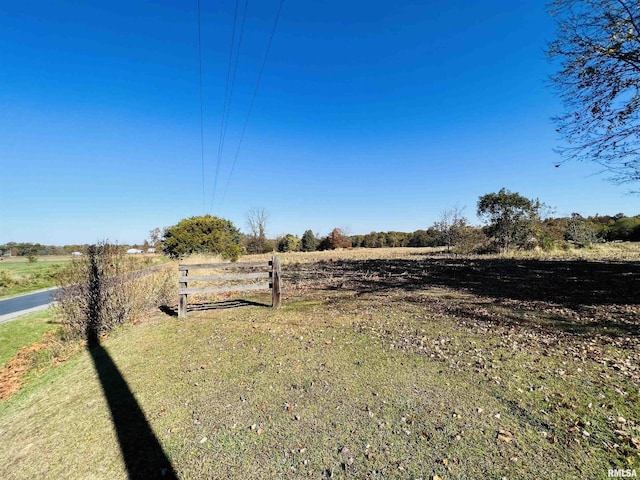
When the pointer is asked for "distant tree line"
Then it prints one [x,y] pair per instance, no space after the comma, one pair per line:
[598,228]
[510,221]
[26,249]
[16,249]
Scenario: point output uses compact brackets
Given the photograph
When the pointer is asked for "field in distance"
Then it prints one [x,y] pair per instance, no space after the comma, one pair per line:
[18,275]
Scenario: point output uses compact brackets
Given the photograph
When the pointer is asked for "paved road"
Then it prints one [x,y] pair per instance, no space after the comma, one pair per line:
[31,302]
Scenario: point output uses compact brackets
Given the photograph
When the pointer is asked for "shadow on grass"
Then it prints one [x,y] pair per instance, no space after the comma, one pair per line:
[576,285]
[171,311]
[570,283]
[221,305]
[143,455]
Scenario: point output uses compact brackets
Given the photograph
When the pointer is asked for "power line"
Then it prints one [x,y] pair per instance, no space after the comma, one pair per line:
[233,80]
[253,98]
[224,104]
[201,107]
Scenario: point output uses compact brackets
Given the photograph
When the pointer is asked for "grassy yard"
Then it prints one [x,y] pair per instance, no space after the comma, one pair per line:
[23,332]
[411,366]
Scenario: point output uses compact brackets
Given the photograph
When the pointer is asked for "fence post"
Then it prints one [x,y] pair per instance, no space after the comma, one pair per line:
[275,278]
[182,298]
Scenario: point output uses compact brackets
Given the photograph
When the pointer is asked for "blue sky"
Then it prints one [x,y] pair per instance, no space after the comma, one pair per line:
[369,116]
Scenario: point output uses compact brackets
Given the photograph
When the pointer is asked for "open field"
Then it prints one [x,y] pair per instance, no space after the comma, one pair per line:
[18,275]
[402,364]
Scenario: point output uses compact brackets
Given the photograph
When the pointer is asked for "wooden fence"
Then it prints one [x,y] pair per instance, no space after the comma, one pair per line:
[273,274]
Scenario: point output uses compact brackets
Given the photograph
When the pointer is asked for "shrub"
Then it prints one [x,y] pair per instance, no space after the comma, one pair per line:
[471,240]
[104,289]
[289,243]
[6,279]
[203,234]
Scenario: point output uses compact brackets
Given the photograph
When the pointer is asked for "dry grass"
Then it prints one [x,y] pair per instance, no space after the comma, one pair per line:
[108,289]
[344,253]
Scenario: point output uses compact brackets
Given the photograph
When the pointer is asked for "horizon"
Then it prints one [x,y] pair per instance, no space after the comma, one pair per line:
[299,235]
[366,117]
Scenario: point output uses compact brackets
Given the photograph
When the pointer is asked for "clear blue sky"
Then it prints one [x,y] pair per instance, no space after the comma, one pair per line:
[371,115]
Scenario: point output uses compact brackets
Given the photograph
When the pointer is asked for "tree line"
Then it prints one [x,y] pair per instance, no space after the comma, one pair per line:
[22,249]
[27,249]
[509,221]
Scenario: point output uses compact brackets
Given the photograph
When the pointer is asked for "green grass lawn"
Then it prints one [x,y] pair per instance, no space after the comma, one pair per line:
[24,331]
[18,275]
[340,384]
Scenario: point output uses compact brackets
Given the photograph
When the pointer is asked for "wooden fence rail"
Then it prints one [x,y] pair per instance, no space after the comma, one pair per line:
[273,274]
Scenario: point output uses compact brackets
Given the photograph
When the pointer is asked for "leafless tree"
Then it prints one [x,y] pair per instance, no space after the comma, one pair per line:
[597,49]
[257,219]
[450,225]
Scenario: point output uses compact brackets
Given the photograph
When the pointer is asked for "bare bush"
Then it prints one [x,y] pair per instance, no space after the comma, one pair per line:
[106,289]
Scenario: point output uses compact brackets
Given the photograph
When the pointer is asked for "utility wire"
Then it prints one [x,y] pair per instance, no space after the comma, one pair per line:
[224,104]
[201,108]
[233,80]
[253,98]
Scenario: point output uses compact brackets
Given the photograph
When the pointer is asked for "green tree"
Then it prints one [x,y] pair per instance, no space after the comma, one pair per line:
[203,234]
[289,243]
[625,228]
[374,240]
[309,242]
[510,218]
[598,51]
[423,238]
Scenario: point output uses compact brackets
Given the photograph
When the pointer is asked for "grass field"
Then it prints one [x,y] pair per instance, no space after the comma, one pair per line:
[18,275]
[24,331]
[404,364]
